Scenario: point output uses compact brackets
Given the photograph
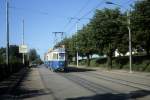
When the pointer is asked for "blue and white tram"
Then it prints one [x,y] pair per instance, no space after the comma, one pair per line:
[55,59]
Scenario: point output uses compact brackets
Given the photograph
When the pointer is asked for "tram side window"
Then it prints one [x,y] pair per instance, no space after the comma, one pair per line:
[61,56]
[55,56]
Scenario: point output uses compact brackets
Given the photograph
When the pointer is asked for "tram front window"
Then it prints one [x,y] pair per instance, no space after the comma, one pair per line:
[61,56]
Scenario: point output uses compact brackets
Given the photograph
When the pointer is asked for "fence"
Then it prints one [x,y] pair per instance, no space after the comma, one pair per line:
[7,70]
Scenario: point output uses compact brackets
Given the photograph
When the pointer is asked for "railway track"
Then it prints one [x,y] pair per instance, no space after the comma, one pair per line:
[129,74]
[97,88]
[87,80]
[118,81]
[46,87]
[91,86]
[102,89]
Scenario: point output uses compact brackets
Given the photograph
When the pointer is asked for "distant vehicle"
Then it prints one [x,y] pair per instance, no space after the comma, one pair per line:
[55,59]
[33,65]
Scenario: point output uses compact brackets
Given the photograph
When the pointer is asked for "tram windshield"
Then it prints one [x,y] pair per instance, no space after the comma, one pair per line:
[61,56]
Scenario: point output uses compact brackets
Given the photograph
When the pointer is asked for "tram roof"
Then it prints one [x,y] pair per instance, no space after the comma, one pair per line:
[59,50]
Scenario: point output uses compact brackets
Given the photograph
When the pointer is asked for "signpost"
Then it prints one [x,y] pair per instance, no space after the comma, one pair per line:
[23,49]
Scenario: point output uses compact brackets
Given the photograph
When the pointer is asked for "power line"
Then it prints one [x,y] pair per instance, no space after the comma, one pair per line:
[82,17]
[68,23]
[83,7]
[93,9]
[78,19]
[91,12]
[127,2]
[30,10]
[56,39]
[37,11]
[72,18]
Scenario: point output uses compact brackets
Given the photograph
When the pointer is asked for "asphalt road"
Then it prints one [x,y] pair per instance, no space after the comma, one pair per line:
[83,84]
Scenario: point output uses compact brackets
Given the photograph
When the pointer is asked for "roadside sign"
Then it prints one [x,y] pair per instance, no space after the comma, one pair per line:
[23,49]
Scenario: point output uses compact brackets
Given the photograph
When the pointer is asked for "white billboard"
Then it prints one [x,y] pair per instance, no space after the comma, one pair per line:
[23,49]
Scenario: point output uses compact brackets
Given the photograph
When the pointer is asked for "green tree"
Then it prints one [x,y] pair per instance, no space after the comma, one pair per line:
[2,55]
[33,55]
[85,42]
[14,56]
[106,28]
[122,40]
[140,24]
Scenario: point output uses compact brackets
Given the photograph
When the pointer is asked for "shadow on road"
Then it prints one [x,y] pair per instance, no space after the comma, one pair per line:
[75,69]
[25,93]
[11,88]
[19,92]
[109,96]
[7,85]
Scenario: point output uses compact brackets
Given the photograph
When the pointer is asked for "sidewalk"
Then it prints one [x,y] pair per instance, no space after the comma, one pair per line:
[24,85]
[32,87]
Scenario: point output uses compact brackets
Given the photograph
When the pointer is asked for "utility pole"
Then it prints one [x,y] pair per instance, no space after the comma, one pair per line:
[129,31]
[76,44]
[78,19]
[7,31]
[23,39]
[130,44]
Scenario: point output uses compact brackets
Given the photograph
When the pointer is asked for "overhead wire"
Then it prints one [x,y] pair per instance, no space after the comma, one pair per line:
[90,12]
[127,2]
[83,7]
[31,10]
[93,9]
[37,12]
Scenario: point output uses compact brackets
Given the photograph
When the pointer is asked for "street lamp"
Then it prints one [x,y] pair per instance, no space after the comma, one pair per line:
[129,31]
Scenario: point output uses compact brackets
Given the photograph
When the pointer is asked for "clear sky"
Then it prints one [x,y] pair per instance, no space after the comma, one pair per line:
[42,17]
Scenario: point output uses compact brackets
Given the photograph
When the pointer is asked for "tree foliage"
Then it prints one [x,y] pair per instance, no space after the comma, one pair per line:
[85,43]
[14,55]
[141,24]
[34,57]
[107,28]
[2,55]
[107,31]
